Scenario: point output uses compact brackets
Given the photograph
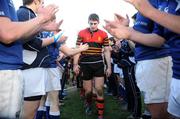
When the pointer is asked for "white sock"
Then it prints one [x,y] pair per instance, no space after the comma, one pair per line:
[42,108]
[47,103]
[54,113]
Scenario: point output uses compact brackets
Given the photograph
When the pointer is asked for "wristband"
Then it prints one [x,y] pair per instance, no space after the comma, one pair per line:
[57,36]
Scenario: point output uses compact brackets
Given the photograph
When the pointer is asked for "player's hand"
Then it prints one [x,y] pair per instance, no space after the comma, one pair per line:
[120,32]
[47,13]
[84,47]
[143,6]
[121,20]
[108,72]
[53,26]
[76,69]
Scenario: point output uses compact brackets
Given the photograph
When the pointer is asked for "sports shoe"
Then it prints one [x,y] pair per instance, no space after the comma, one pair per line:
[88,110]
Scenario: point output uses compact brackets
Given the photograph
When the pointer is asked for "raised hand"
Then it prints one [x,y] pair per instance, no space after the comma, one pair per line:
[47,13]
[118,21]
[143,6]
[121,20]
[119,32]
[53,26]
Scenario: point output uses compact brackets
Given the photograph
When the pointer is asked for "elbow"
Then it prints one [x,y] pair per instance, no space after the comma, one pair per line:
[7,38]
[160,43]
[178,31]
[68,54]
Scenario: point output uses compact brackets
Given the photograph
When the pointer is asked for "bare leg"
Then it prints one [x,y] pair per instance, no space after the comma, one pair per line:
[53,96]
[29,109]
[158,110]
[87,85]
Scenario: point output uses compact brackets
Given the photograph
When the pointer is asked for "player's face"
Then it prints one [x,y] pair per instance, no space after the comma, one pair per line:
[93,25]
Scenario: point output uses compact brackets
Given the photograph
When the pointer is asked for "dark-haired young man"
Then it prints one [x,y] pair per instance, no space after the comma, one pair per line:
[92,64]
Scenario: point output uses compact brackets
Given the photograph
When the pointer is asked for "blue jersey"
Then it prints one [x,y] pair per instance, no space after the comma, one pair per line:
[147,26]
[53,49]
[172,7]
[11,54]
[33,43]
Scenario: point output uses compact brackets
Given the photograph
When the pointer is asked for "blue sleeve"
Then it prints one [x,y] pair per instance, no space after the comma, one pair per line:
[143,24]
[4,8]
[159,30]
[23,14]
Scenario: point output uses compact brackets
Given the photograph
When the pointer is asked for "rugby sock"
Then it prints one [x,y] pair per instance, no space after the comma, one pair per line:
[41,112]
[100,106]
[82,93]
[47,104]
[54,115]
[47,112]
[94,97]
[89,99]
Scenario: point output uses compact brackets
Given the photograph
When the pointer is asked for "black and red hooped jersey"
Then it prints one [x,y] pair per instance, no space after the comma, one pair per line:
[96,40]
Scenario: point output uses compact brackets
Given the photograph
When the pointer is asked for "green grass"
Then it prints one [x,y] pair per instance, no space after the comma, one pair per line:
[74,108]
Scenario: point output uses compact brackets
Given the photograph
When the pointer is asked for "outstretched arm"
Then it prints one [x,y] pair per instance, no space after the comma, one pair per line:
[11,31]
[69,51]
[163,18]
[124,32]
[121,31]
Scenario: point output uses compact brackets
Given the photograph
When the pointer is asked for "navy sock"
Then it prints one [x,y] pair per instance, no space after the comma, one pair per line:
[55,116]
[47,112]
[39,114]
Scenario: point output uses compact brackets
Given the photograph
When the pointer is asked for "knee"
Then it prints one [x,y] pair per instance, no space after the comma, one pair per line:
[88,90]
[99,92]
[88,95]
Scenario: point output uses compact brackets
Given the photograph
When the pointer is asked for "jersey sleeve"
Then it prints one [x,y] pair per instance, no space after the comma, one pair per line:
[106,40]
[143,24]
[79,39]
[4,8]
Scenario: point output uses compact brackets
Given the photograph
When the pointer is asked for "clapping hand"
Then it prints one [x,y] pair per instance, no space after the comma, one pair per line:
[143,6]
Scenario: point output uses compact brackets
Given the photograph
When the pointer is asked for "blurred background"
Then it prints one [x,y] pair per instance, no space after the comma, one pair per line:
[75,13]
